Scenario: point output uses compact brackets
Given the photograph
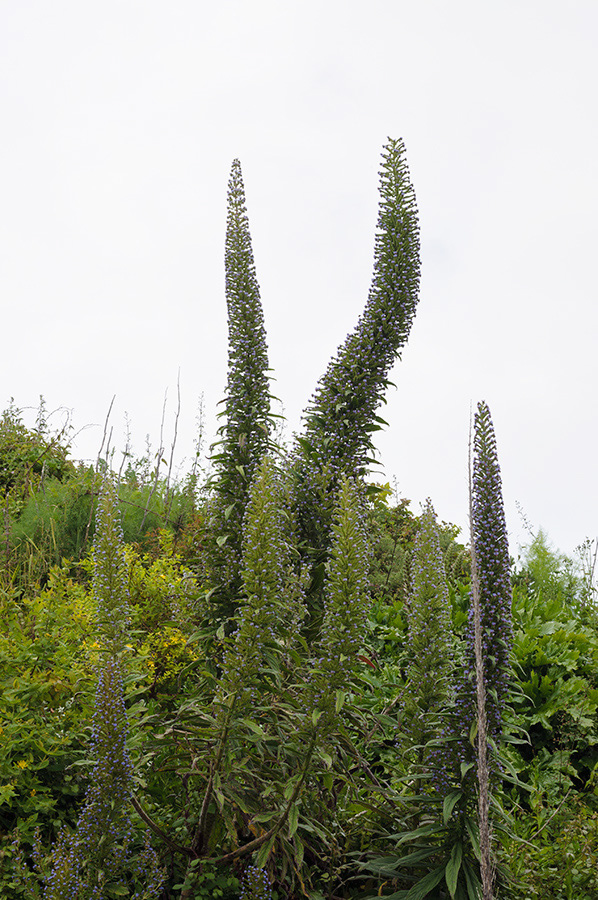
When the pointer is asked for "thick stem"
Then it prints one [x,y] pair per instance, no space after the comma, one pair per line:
[199,838]
[172,845]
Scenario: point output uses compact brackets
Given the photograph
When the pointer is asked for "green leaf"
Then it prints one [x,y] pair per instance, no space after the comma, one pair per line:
[340,700]
[257,729]
[293,819]
[452,868]
[423,831]
[449,804]
[222,539]
[413,859]
[266,816]
[299,851]
[264,852]
[7,792]
[426,885]
[290,786]
[465,767]
[474,886]
[474,836]
[326,757]
[305,444]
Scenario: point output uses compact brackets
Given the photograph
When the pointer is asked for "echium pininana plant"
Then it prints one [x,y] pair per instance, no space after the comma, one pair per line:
[100,858]
[346,605]
[481,693]
[490,606]
[490,619]
[271,609]
[245,436]
[430,645]
[342,413]
[490,555]
[258,652]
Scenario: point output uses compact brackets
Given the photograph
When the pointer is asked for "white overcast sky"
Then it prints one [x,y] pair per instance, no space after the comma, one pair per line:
[119,122]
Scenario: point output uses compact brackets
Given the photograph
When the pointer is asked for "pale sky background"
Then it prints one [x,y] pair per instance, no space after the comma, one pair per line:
[120,121]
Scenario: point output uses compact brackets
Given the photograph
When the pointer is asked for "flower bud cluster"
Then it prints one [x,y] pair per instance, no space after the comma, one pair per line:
[255,885]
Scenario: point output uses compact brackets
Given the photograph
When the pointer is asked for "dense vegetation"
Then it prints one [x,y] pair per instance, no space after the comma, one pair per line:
[278,681]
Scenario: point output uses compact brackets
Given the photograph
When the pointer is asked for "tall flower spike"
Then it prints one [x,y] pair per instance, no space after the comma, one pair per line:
[491,561]
[346,605]
[342,413]
[429,685]
[99,855]
[491,613]
[110,583]
[270,613]
[245,436]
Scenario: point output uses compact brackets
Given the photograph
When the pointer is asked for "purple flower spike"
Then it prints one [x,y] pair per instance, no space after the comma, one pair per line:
[491,548]
[245,437]
[342,413]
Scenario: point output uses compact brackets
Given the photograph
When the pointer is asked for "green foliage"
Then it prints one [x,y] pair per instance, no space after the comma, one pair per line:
[557,858]
[556,654]
[28,459]
[58,520]
[28,456]
[46,698]
[99,858]
[260,730]
[441,853]
[393,530]
[276,652]
[208,883]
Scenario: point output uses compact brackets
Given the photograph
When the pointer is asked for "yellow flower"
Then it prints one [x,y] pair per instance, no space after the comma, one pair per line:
[22,763]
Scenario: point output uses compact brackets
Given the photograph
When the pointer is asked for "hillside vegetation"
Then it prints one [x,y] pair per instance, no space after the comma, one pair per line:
[279,681]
